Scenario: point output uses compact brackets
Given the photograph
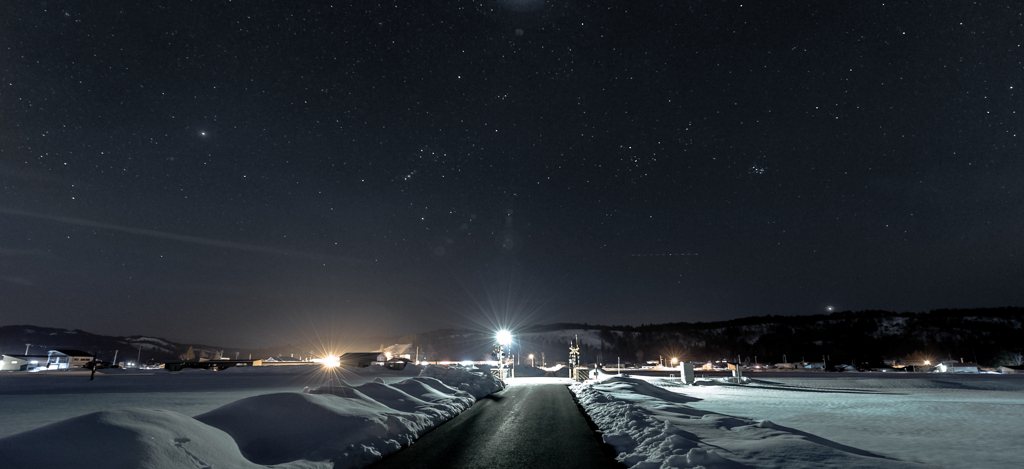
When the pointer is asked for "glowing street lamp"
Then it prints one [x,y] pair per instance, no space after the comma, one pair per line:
[531,359]
[504,339]
[674,361]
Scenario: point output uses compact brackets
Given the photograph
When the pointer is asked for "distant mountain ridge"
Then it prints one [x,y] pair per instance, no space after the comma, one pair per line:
[991,336]
[13,340]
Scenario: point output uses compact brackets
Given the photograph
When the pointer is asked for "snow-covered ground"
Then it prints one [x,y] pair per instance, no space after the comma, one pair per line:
[253,417]
[288,417]
[31,400]
[812,420]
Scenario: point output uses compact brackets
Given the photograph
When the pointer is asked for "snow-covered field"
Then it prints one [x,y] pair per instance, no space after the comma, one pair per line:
[813,420]
[287,417]
[31,400]
[303,416]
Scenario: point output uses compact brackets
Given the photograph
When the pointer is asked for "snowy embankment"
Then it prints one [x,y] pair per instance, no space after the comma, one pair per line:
[652,427]
[333,426]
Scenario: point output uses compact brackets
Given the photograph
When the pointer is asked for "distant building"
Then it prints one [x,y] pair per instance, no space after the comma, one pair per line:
[397,351]
[1010,370]
[814,365]
[785,366]
[361,359]
[22,362]
[281,360]
[64,359]
[955,367]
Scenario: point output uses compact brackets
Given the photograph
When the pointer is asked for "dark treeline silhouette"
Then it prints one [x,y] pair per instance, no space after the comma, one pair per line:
[989,336]
[858,338]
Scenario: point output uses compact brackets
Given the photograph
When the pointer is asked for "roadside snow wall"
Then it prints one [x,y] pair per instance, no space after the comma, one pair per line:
[330,427]
[651,427]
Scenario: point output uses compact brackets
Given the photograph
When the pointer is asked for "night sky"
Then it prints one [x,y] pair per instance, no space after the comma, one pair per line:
[245,173]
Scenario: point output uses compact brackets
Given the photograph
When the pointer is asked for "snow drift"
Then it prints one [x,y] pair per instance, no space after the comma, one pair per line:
[337,426]
[651,427]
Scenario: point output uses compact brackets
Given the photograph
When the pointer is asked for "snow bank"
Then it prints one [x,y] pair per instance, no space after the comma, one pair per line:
[651,427]
[904,415]
[336,426]
[477,384]
[124,438]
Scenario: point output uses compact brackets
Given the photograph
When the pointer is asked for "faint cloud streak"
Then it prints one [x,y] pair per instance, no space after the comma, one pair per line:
[8,252]
[19,281]
[174,236]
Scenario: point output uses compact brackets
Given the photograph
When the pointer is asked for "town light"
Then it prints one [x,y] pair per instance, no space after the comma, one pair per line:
[504,337]
[675,360]
[331,361]
[531,359]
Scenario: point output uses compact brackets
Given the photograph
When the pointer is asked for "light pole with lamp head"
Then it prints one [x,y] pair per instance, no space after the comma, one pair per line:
[504,339]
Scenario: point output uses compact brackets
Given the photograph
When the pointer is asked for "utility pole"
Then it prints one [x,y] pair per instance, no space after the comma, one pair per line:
[138,361]
[115,357]
[26,348]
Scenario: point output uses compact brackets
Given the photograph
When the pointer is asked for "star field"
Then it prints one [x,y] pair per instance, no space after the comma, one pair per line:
[609,162]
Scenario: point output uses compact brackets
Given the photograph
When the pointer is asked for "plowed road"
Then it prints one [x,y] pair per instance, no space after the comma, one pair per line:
[531,424]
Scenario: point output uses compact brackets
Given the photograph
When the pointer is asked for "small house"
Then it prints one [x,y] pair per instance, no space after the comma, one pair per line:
[65,359]
[955,367]
[21,362]
[361,359]
[1010,370]
[397,351]
[785,366]
[282,359]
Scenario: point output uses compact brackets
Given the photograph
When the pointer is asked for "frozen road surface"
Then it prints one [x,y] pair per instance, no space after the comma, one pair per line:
[533,423]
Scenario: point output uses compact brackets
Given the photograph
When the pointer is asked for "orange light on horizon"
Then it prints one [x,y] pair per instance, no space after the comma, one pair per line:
[332,361]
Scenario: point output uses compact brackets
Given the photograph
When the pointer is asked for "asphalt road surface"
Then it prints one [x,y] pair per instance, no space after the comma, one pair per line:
[530,424]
